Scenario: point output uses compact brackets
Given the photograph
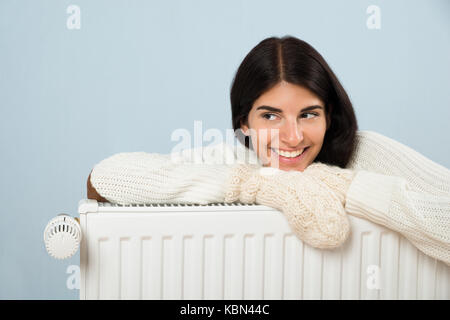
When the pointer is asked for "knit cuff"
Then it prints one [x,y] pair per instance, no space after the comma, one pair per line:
[201,183]
[338,179]
[369,195]
[240,174]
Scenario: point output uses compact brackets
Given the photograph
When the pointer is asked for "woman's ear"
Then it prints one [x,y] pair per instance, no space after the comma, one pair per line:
[244,128]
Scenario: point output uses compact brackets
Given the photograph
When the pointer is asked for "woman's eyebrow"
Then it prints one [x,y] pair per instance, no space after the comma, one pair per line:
[269,108]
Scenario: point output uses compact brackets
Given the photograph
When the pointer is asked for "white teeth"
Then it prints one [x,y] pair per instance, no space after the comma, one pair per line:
[292,154]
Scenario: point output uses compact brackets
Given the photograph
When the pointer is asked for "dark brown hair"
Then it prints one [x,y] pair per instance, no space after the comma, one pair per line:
[293,60]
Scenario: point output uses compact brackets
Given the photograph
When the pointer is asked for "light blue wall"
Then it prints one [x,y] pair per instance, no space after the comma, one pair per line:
[137,70]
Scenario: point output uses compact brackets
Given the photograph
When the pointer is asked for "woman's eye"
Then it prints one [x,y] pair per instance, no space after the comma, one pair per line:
[312,113]
[268,114]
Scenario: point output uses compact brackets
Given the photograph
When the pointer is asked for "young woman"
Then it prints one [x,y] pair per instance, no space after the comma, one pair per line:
[285,85]
[289,109]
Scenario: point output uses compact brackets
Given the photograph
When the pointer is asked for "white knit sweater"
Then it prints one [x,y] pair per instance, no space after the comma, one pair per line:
[394,185]
[399,188]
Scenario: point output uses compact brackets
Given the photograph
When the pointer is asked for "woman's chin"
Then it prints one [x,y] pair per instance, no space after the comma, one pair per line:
[284,168]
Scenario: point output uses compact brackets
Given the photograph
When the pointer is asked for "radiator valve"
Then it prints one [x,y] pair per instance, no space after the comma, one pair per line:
[62,236]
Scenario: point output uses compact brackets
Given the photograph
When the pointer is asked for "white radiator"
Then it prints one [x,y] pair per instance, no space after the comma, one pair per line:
[238,251]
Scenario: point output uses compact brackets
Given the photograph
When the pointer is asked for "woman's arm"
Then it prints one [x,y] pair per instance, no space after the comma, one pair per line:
[146,178]
[403,190]
[391,201]
[314,210]
[315,213]
[422,218]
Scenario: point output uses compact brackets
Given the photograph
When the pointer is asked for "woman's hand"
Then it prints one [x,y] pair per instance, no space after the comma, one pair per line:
[336,178]
[314,211]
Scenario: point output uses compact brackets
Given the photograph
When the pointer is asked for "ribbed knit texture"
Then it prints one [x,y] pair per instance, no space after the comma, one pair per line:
[386,182]
[313,210]
[401,189]
[315,213]
[378,153]
[336,178]
[146,178]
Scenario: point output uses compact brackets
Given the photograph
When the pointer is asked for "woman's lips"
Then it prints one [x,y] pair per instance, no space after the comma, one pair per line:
[287,160]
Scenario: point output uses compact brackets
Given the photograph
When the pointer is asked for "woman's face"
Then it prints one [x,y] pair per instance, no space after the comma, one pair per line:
[279,121]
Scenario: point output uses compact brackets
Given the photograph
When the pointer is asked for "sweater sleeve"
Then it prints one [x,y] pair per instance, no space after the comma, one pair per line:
[422,218]
[222,153]
[145,178]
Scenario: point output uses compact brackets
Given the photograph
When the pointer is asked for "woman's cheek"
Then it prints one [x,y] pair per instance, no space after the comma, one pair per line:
[263,149]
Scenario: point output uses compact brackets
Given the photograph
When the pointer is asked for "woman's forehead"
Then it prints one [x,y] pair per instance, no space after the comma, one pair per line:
[288,96]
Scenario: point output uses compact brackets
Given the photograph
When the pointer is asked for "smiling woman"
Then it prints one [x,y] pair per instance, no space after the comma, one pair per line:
[286,98]
[297,132]
[328,169]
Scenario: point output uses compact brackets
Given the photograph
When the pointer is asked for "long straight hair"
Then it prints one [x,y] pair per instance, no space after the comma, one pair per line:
[293,60]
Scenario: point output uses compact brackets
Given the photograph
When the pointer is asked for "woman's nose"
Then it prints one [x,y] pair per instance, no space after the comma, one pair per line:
[291,134]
